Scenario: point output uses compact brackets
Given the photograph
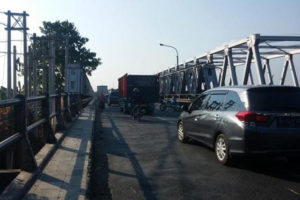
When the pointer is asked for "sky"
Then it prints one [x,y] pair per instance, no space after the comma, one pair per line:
[126,34]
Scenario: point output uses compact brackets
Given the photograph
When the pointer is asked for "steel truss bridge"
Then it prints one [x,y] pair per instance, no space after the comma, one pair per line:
[218,67]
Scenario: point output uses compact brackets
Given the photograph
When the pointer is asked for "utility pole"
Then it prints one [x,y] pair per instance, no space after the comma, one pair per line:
[25,55]
[29,65]
[66,60]
[34,57]
[15,71]
[51,73]
[19,24]
[8,54]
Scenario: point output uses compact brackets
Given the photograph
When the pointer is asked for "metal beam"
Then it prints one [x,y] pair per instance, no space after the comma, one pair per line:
[268,69]
[286,64]
[251,77]
[224,69]
[294,74]
[279,38]
[232,68]
[257,59]
[247,66]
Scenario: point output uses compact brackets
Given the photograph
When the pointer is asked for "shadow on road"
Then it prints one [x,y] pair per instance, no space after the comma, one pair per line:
[140,175]
[274,166]
[114,144]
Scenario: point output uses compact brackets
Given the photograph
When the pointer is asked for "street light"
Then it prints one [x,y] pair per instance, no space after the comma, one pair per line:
[164,45]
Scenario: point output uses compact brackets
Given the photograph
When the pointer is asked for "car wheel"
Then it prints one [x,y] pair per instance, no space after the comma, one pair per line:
[222,150]
[181,135]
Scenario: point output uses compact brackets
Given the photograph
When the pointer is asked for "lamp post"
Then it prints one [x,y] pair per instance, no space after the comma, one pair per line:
[164,45]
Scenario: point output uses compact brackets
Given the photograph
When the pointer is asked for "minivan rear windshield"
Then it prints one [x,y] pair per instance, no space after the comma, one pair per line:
[272,99]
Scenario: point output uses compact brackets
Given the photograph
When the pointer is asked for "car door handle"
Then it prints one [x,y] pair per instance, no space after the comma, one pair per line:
[217,116]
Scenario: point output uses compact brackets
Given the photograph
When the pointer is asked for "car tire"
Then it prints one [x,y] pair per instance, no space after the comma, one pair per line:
[222,150]
[181,134]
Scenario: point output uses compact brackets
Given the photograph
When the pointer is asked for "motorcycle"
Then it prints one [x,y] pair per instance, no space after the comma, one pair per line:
[137,112]
[165,104]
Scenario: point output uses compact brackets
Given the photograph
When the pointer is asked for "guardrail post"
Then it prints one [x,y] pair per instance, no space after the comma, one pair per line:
[72,105]
[66,108]
[50,138]
[26,156]
[78,104]
[59,116]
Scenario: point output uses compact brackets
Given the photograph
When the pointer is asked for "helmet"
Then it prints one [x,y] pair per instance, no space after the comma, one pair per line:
[136,90]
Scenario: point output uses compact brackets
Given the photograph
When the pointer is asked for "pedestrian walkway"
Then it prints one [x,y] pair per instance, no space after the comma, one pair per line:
[65,176]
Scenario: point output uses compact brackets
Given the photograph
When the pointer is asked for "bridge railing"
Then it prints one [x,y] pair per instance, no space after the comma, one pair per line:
[27,124]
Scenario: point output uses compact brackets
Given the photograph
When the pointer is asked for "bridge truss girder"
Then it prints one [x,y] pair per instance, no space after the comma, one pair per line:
[210,69]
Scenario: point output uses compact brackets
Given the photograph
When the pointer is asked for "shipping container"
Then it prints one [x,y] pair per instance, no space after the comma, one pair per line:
[148,86]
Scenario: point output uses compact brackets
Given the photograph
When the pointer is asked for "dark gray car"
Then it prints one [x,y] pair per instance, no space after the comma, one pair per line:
[245,120]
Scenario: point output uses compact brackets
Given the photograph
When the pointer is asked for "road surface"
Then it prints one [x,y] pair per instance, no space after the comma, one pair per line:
[144,160]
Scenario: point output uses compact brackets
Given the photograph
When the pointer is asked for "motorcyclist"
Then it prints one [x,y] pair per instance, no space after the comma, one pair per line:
[136,100]
[173,100]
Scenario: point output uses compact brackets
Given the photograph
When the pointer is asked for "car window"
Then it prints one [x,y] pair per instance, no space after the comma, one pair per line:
[215,102]
[199,103]
[233,102]
[274,99]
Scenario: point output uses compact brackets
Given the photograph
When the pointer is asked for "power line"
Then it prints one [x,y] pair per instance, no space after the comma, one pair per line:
[11,53]
[4,41]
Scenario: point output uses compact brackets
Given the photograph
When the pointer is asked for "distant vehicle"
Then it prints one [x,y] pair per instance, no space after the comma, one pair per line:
[102,89]
[149,91]
[165,104]
[245,120]
[113,97]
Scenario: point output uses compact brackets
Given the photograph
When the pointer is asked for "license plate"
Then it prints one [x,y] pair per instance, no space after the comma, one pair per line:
[286,122]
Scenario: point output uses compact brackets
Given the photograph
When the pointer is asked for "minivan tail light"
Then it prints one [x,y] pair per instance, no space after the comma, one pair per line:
[246,116]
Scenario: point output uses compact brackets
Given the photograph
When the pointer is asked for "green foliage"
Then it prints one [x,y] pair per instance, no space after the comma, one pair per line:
[78,53]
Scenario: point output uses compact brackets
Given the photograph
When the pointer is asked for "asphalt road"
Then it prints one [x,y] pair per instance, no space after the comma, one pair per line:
[144,160]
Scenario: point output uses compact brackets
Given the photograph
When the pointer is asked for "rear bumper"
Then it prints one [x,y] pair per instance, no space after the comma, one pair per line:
[271,142]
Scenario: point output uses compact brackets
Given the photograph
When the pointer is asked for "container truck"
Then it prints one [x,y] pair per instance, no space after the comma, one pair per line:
[148,86]
[102,89]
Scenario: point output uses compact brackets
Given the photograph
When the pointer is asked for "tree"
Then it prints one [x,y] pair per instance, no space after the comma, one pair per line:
[60,31]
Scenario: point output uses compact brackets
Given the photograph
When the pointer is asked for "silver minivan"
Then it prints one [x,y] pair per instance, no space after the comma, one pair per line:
[243,120]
